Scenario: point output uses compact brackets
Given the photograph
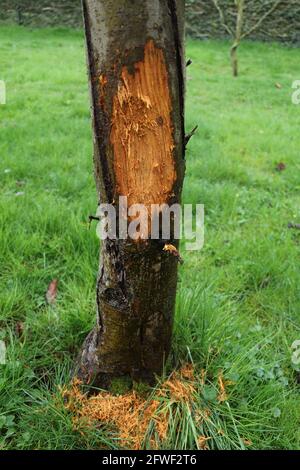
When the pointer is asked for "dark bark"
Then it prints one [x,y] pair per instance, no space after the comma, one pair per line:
[234,59]
[240,4]
[136,66]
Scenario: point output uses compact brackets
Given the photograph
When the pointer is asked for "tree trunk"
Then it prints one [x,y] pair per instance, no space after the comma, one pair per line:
[136,64]
[234,59]
[238,36]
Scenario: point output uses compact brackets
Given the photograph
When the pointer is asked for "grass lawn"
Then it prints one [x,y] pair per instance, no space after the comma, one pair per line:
[238,308]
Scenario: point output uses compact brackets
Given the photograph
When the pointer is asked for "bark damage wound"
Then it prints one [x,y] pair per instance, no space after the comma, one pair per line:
[142,131]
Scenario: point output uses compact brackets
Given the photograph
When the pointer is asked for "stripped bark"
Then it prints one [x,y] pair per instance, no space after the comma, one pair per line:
[136,66]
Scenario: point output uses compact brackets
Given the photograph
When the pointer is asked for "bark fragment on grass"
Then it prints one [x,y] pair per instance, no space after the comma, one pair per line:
[132,413]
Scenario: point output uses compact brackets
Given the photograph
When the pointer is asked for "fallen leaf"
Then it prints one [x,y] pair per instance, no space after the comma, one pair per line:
[20,183]
[52,292]
[278,85]
[281,166]
[19,328]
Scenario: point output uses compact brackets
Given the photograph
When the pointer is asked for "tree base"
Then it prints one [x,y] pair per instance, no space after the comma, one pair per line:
[90,371]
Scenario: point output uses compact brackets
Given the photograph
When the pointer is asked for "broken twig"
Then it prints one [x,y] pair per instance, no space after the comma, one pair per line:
[190,135]
[91,218]
[173,250]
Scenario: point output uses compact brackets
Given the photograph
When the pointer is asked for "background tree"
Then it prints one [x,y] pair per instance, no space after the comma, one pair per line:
[239,33]
[136,66]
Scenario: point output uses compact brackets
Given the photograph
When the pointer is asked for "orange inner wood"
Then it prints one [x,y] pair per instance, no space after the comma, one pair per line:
[142,131]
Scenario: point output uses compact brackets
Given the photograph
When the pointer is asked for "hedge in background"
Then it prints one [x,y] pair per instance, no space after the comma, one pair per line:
[38,13]
[202,17]
[282,25]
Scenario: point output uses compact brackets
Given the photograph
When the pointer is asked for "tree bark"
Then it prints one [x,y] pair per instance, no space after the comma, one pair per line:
[238,36]
[136,67]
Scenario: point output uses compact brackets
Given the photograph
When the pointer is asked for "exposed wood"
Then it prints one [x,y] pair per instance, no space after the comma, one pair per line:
[142,133]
